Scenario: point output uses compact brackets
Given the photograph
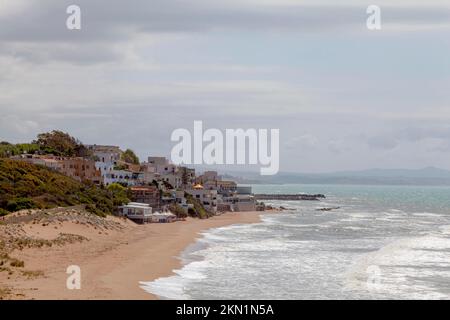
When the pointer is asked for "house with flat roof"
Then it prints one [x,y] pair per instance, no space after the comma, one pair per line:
[146,194]
[137,212]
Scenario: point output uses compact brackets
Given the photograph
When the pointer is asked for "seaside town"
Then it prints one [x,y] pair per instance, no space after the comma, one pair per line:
[98,207]
[159,190]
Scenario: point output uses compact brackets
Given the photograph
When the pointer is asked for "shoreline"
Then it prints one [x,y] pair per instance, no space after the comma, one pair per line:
[113,263]
[229,219]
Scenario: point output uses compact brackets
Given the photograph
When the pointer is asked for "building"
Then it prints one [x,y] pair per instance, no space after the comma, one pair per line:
[208,198]
[244,189]
[181,200]
[174,179]
[224,187]
[163,217]
[147,194]
[158,161]
[105,154]
[80,169]
[124,177]
[107,160]
[137,212]
[239,202]
[48,161]
[159,168]
[207,176]
[142,213]
[187,176]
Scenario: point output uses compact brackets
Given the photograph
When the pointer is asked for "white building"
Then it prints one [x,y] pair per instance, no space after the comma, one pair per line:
[240,202]
[105,154]
[124,177]
[138,212]
[142,213]
[159,168]
[161,165]
[208,198]
[162,217]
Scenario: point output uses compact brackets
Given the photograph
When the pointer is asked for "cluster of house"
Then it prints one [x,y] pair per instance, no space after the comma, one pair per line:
[155,185]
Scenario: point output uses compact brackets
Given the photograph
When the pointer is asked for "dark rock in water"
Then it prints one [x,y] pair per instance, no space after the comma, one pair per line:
[327,209]
[294,197]
[286,208]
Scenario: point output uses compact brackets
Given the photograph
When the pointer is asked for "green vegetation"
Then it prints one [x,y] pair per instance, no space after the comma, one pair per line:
[177,210]
[198,211]
[7,149]
[17,263]
[27,186]
[121,194]
[56,142]
[129,157]
[120,167]
[3,212]
[61,144]
[4,292]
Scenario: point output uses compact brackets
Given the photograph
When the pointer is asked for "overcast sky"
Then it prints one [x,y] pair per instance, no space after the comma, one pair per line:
[343,97]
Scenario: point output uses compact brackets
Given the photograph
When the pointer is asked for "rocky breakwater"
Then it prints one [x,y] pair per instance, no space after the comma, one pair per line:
[287,197]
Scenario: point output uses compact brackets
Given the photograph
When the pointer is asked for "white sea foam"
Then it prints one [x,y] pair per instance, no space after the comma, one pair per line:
[404,265]
[307,255]
[166,288]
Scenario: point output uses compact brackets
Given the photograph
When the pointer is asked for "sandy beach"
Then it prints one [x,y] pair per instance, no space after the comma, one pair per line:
[113,259]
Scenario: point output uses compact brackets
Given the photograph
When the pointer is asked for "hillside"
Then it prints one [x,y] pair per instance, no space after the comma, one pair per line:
[27,186]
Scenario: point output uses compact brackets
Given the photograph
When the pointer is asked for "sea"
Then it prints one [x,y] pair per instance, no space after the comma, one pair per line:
[379,242]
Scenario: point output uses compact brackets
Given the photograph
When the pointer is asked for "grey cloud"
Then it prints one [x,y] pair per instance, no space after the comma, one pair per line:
[382,142]
[420,133]
[393,138]
[79,54]
[115,21]
[338,146]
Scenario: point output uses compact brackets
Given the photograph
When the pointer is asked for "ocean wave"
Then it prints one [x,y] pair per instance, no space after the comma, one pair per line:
[405,268]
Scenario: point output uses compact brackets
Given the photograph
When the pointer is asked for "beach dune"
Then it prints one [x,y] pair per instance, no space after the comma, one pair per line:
[113,260]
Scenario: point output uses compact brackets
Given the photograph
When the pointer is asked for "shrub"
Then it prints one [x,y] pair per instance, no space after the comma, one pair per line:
[27,186]
[17,263]
[130,157]
[177,210]
[20,204]
[3,212]
[199,209]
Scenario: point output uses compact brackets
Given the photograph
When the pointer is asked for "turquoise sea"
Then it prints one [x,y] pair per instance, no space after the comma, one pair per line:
[384,242]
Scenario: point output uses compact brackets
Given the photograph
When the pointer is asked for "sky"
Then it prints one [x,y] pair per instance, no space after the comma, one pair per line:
[344,97]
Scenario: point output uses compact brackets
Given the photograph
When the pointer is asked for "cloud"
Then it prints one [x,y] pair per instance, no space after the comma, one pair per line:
[309,68]
[17,126]
[303,142]
[437,137]
[29,27]
[338,146]
[382,142]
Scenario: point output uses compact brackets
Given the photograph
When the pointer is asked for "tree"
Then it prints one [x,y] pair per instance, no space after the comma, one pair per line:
[8,149]
[130,157]
[61,144]
[120,194]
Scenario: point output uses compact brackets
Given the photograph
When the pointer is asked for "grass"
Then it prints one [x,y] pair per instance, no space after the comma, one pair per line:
[4,293]
[16,263]
[199,210]
[32,274]
[28,186]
